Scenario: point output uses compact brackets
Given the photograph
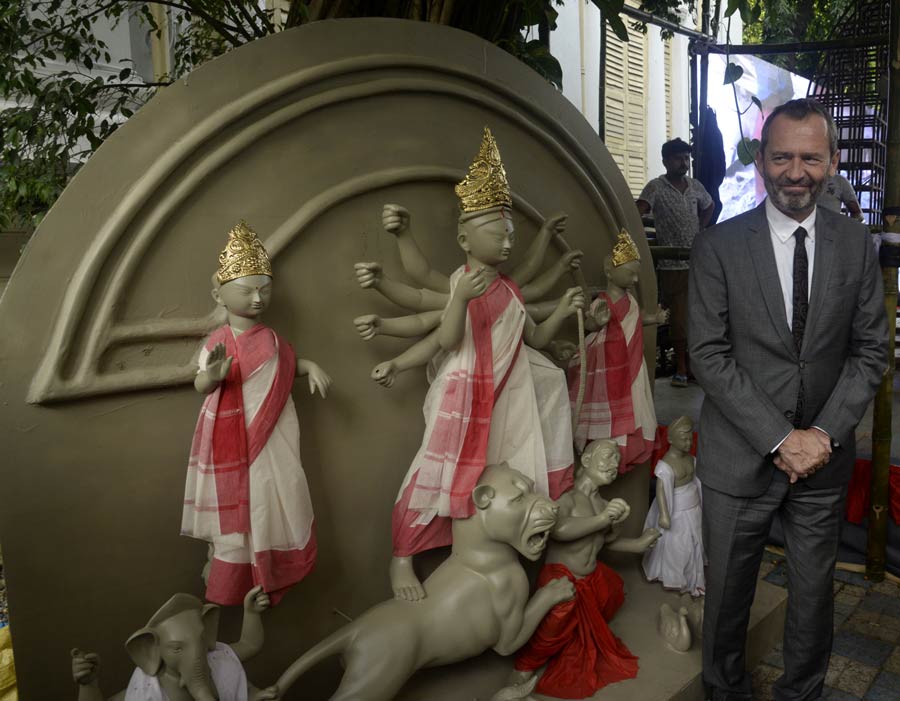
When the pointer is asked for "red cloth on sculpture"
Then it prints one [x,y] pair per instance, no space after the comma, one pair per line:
[483,312]
[617,385]
[574,641]
[223,444]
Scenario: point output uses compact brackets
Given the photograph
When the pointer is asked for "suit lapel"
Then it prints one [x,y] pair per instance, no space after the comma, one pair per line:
[759,243]
[823,258]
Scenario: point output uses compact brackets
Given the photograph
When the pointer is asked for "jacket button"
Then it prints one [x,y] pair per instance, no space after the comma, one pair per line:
[789,415]
[802,364]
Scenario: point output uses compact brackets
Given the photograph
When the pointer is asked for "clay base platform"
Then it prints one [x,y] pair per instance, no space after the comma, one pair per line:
[665,675]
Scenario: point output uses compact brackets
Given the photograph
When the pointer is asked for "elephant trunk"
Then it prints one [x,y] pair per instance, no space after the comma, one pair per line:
[198,681]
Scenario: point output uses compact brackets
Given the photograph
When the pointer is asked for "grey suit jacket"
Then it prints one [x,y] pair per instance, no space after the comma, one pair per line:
[744,356]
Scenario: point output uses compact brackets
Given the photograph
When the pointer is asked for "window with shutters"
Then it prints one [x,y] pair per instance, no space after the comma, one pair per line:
[626,106]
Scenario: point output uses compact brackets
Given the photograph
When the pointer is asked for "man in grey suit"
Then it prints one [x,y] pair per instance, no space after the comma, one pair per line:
[788,338]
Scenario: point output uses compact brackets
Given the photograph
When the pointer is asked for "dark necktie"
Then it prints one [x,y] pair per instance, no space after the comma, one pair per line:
[801,306]
[801,287]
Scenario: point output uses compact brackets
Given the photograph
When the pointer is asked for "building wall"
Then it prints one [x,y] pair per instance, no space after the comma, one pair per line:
[647,85]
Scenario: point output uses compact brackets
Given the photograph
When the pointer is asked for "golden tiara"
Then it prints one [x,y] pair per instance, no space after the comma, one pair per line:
[243,255]
[625,249]
[485,184]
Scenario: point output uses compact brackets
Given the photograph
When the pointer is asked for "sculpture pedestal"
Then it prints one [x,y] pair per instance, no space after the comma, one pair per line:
[665,675]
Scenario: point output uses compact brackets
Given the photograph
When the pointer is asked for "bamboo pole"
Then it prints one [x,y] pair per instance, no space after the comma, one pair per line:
[890,259]
[159,43]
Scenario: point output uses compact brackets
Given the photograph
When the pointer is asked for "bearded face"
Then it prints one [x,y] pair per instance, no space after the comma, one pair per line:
[796,163]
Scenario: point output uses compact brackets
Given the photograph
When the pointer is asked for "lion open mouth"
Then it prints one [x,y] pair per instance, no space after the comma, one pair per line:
[536,540]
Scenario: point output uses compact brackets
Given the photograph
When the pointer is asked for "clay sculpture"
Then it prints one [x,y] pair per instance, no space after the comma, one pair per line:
[618,403]
[179,659]
[477,599]
[246,492]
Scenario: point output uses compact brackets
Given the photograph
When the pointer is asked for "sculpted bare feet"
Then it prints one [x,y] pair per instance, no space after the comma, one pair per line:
[404,582]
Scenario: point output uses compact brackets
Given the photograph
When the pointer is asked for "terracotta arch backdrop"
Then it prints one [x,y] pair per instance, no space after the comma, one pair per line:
[305,135]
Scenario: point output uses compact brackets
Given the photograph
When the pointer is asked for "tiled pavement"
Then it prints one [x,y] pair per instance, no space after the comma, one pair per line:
[865,659]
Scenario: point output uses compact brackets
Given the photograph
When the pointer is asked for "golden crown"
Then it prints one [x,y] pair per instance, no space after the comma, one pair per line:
[485,185]
[243,255]
[625,249]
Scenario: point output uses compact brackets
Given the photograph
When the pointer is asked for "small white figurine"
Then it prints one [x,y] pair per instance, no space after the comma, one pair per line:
[678,558]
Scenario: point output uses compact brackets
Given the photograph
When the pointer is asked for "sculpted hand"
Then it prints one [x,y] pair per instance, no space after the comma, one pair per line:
[617,510]
[665,522]
[385,373]
[661,316]
[318,379]
[368,274]
[368,326]
[472,284]
[256,600]
[571,260]
[394,218]
[556,224]
[558,590]
[571,301]
[602,314]
[85,666]
[803,452]
[217,365]
[562,351]
[270,693]
[649,537]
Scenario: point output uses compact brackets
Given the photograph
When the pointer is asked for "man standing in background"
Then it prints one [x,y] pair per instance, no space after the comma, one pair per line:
[838,191]
[681,207]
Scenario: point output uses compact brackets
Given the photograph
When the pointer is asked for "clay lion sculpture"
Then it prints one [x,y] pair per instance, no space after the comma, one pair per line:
[476,599]
[179,659]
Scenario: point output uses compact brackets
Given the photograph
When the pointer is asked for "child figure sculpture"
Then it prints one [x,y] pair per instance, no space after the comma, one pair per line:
[246,491]
[618,403]
[677,560]
[481,407]
[574,641]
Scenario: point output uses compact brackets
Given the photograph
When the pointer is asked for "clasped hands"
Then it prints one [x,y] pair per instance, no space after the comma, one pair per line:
[803,452]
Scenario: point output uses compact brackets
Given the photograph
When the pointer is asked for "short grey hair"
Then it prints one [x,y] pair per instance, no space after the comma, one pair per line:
[798,110]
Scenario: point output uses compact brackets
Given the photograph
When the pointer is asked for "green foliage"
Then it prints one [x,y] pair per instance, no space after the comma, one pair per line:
[747,149]
[67,99]
[784,21]
[733,73]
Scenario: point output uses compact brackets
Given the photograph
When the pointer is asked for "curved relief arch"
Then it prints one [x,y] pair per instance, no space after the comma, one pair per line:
[71,364]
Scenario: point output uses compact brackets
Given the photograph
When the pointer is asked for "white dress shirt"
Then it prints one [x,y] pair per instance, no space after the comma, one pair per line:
[781,230]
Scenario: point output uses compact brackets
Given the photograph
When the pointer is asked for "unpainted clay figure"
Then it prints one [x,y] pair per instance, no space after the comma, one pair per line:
[490,400]
[618,402]
[477,599]
[179,659]
[574,642]
[678,559]
[680,629]
[246,491]
[673,627]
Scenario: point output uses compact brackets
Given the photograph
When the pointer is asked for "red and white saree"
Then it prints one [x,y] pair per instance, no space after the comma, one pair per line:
[618,403]
[246,491]
[485,406]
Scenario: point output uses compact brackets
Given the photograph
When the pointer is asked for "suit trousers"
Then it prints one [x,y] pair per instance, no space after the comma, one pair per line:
[735,531]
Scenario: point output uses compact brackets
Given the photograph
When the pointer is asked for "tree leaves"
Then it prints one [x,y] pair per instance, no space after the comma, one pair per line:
[747,149]
[62,115]
[733,73]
